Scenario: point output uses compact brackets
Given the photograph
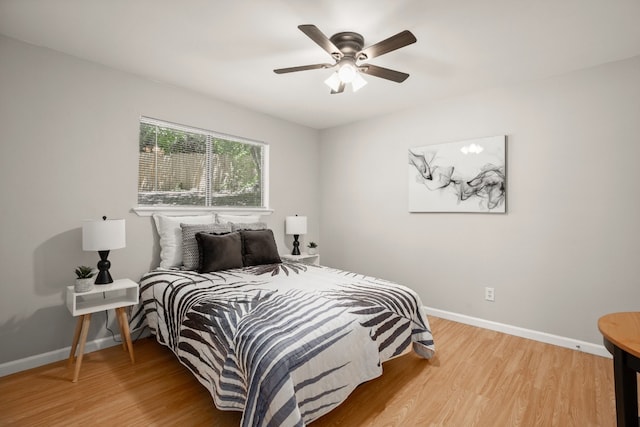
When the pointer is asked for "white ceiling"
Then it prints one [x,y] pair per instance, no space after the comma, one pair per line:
[228,49]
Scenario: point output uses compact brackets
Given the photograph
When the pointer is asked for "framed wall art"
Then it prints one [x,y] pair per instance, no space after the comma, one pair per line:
[464,176]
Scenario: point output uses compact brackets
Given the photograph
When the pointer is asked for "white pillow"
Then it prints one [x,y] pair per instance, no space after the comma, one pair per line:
[171,236]
[235,219]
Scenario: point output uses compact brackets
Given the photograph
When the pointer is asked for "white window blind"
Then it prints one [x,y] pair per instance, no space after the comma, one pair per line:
[184,166]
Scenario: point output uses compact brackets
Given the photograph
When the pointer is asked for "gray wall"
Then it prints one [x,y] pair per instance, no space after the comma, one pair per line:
[567,250]
[565,253]
[69,135]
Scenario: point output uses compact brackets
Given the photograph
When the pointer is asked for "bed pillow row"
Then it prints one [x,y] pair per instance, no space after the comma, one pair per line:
[190,251]
[237,249]
[170,234]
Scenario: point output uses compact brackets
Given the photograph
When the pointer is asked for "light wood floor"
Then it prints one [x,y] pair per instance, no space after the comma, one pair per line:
[479,378]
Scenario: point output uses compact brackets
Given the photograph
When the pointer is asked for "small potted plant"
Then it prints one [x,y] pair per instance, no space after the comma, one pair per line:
[313,248]
[84,279]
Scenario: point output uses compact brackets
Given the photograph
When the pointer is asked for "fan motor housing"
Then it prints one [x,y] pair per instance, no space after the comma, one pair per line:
[348,42]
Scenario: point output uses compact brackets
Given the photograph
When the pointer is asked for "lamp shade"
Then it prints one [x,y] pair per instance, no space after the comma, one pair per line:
[103,235]
[295,225]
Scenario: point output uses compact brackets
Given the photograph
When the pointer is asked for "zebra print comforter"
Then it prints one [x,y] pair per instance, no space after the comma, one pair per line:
[284,343]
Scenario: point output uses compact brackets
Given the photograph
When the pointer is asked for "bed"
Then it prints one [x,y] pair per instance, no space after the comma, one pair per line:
[283,342]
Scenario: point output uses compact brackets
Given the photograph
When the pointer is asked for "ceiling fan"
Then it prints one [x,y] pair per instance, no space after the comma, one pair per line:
[346,49]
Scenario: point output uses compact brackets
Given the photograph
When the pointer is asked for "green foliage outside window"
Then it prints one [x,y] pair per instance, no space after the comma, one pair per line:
[183,167]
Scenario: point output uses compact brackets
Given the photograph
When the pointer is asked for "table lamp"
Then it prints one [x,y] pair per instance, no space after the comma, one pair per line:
[296,225]
[103,236]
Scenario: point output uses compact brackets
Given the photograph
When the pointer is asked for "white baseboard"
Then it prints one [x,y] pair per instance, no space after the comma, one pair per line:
[586,347]
[19,365]
[91,346]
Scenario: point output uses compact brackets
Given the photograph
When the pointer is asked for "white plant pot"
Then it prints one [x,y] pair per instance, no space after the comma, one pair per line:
[84,285]
[312,251]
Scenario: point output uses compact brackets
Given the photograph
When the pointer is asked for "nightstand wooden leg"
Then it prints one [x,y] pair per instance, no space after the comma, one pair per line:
[124,341]
[122,337]
[86,321]
[74,345]
[124,325]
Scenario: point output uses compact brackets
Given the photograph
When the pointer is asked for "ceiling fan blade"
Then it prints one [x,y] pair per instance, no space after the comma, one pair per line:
[302,68]
[321,40]
[401,39]
[340,88]
[384,73]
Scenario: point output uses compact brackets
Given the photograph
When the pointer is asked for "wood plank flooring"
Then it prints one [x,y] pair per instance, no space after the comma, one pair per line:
[478,378]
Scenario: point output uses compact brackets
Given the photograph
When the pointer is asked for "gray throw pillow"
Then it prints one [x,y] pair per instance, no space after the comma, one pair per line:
[248,226]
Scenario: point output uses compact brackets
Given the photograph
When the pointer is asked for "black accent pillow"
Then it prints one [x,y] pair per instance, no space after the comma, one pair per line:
[190,252]
[259,247]
[219,252]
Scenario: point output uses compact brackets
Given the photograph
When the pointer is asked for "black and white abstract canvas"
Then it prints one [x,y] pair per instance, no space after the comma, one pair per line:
[465,176]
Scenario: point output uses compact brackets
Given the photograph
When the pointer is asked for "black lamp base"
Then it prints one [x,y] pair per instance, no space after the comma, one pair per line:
[296,245]
[103,277]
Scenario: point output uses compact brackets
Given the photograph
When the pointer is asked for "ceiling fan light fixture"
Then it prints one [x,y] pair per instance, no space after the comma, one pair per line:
[333,81]
[347,72]
[358,82]
[346,49]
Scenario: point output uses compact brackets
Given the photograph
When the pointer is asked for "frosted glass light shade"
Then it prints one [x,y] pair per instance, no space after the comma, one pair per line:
[333,82]
[103,235]
[295,225]
[358,83]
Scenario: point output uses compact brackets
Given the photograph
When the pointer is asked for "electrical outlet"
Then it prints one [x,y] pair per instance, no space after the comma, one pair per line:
[489,294]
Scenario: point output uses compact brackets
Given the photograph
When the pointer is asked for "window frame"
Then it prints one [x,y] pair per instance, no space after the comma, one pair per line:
[148,210]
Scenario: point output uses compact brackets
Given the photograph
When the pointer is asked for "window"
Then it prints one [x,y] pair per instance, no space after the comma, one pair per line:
[189,167]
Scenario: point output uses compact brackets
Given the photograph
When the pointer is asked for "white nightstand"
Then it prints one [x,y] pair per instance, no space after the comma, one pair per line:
[303,257]
[117,295]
